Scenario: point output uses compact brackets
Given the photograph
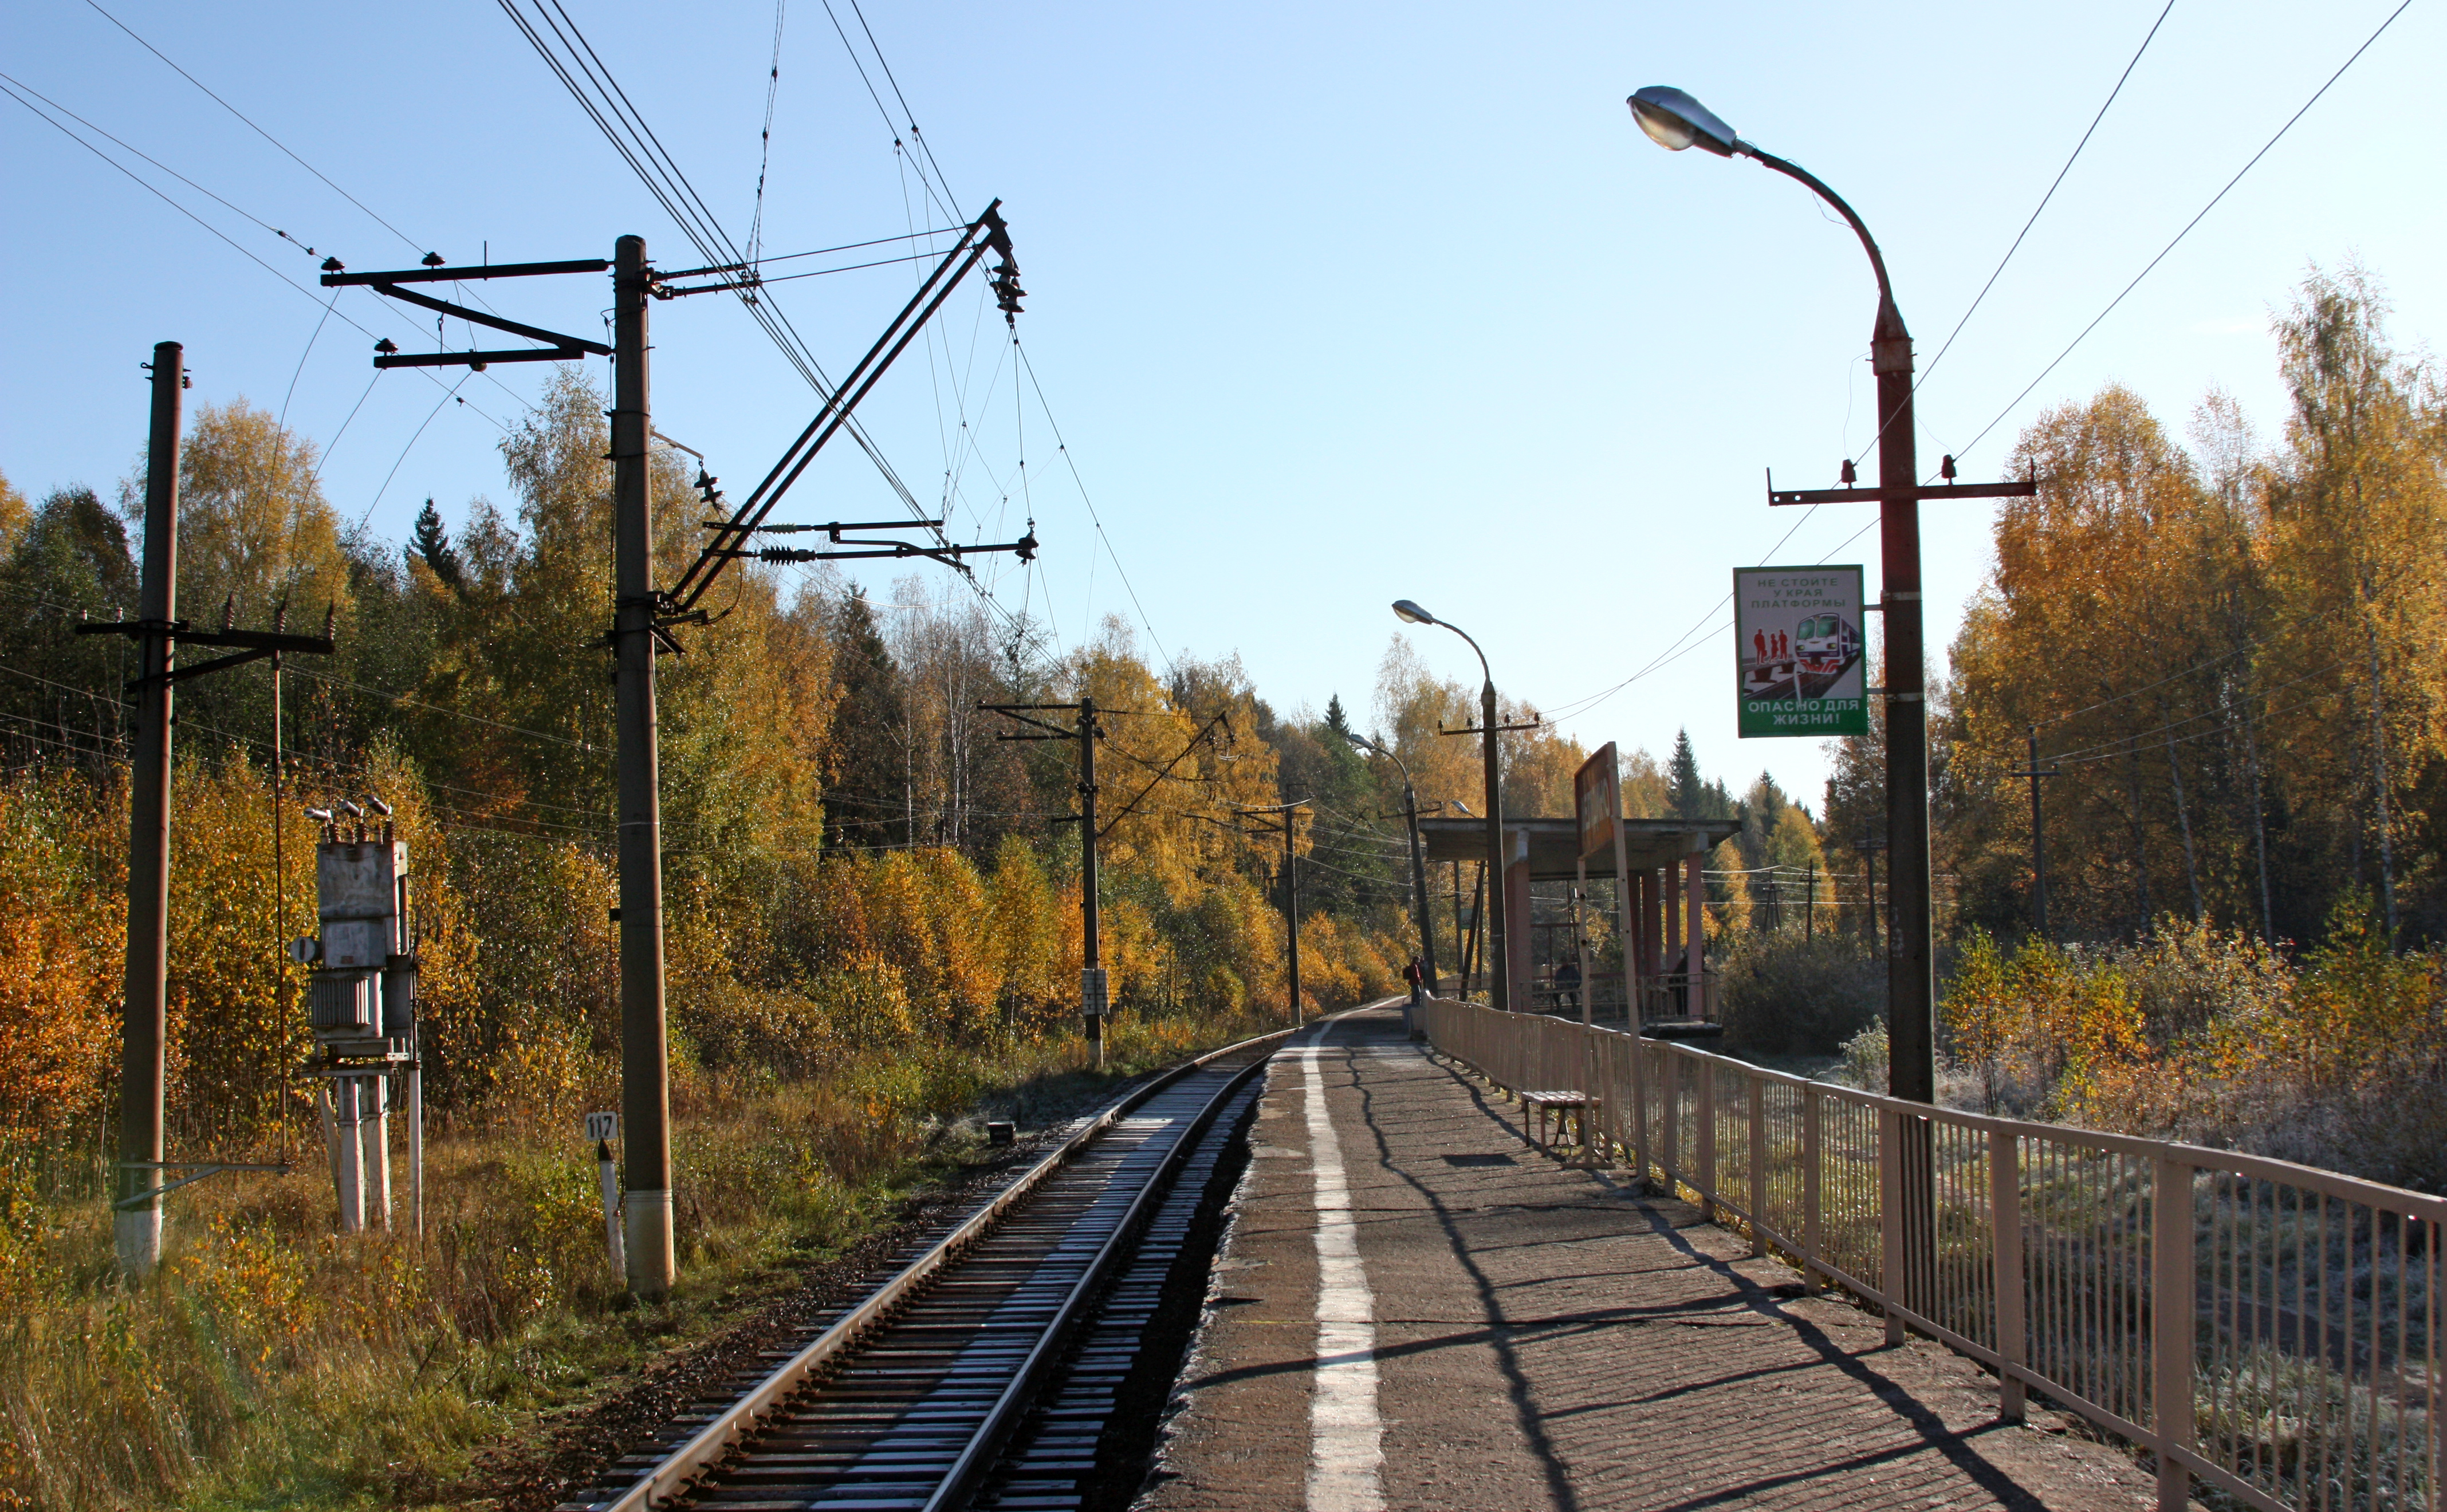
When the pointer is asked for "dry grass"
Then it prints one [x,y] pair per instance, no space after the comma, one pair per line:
[275,1364]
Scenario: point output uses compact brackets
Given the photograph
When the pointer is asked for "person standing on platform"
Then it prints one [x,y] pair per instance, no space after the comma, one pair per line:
[1418,979]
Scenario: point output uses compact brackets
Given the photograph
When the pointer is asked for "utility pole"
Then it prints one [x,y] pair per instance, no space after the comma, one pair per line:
[1675,121]
[1291,912]
[1418,857]
[1499,864]
[1289,814]
[1094,1002]
[1093,997]
[136,1229]
[1420,885]
[645,1055]
[1499,956]
[1911,981]
[1871,845]
[140,1179]
[644,616]
[2039,841]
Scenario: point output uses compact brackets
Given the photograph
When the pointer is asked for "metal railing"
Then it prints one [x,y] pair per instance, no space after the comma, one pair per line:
[1665,997]
[1678,998]
[2267,1328]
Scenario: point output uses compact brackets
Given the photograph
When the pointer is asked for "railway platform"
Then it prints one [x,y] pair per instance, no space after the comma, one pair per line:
[1416,1307]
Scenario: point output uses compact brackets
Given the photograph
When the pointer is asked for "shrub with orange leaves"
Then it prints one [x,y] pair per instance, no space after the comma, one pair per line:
[63,899]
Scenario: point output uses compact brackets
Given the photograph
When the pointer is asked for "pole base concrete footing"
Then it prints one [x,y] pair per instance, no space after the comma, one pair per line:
[136,1236]
[647,1239]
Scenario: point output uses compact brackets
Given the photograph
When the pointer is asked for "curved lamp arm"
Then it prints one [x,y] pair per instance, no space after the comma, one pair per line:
[1485,675]
[1387,751]
[1794,171]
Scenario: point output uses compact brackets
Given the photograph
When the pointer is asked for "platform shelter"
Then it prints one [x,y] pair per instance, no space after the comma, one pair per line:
[1666,860]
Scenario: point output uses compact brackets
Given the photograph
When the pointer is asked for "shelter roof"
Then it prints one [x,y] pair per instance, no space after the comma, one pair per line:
[1553,843]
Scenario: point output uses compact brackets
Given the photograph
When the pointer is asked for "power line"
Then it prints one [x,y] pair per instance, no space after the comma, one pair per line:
[159,163]
[301,162]
[334,442]
[410,447]
[624,127]
[952,200]
[216,230]
[2134,742]
[765,138]
[413,701]
[1670,653]
[300,371]
[251,126]
[2187,228]
[1062,448]
[2254,644]
[2053,186]
[943,195]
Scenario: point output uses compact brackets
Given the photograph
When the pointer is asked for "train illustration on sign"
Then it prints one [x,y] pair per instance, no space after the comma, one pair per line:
[1814,653]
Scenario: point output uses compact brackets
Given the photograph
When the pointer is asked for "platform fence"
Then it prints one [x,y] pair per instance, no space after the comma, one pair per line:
[2267,1330]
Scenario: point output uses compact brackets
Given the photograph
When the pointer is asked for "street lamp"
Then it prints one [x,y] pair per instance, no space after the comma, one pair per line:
[1418,858]
[1500,979]
[1675,121]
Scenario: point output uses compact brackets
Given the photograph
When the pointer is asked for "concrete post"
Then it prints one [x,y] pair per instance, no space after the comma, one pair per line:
[2174,1325]
[348,1159]
[136,1225]
[373,1149]
[645,1053]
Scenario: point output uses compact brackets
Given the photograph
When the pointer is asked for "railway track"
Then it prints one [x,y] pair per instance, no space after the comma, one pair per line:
[999,1366]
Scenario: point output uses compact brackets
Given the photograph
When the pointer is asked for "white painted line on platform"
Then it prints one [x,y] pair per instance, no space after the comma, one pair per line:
[1346,1435]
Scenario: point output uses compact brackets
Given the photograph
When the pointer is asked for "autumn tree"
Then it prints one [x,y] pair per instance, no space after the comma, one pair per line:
[2225,651]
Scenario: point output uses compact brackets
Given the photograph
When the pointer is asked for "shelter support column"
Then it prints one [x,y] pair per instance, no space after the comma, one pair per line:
[1672,935]
[1635,940]
[1695,897]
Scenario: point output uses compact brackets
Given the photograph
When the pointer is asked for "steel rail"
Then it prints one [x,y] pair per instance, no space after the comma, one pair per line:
[978,1455]
[676,1473]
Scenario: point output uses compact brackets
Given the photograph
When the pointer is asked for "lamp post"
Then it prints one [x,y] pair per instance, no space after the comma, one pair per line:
[1418,858]
[1675,121]
[1500,977]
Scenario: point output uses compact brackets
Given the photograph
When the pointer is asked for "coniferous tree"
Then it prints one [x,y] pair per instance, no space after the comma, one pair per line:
[432,545]
[70,560]
[1688,794]
[866,802]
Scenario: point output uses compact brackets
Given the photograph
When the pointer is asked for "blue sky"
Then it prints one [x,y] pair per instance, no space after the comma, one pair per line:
[1332,304]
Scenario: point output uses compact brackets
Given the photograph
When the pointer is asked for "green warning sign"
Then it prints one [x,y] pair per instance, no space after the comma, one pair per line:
[1800,655]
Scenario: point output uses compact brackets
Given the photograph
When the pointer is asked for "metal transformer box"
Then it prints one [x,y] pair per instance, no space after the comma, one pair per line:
[363,989]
